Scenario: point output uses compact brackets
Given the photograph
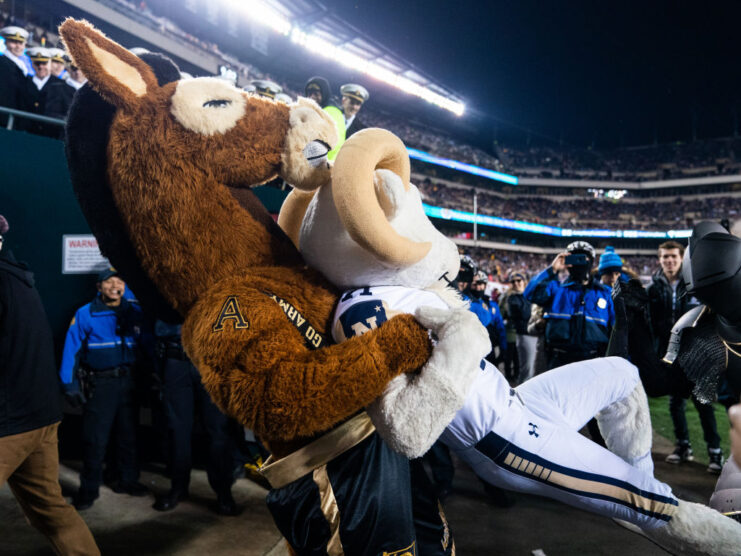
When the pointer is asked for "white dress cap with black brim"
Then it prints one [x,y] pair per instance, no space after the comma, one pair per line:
[355,91]
[13,33]
[39,54]
[57,55]
[267,88]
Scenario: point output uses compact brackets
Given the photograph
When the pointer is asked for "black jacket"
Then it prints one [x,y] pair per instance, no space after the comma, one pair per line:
[660,307]
[53,100]
[355,126]
[518,311]
[30,396]
[13,87]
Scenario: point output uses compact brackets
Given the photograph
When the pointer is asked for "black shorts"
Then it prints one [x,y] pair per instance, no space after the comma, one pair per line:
[361,503]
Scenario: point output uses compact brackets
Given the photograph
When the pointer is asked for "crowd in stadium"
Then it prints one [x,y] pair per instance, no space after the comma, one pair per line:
[500,265]
[654,162]
[583,212]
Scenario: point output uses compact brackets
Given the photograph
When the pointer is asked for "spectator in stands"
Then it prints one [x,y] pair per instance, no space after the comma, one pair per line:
[578,312]
[32,410]
[511,358]
[13,71]
[519,312]
[353,97]
[97,372]
[610,267]
[317,88]
[489,314]
[58,63]
[184,395]
[75,78]
[48,95]
[16,39]
[266,88]
[668,301]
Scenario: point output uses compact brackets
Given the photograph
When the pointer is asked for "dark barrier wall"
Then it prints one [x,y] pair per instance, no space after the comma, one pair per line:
[37,199]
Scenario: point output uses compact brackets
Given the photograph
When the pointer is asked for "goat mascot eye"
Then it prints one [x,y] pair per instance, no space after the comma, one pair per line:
[217,103]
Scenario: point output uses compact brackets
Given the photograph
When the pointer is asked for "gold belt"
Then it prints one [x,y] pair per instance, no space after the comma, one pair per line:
[321,451]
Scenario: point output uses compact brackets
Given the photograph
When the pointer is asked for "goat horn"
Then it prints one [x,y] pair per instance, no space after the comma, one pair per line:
[292,213]
[356,200]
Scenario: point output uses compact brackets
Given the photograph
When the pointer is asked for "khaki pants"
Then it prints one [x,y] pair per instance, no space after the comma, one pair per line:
[29,462]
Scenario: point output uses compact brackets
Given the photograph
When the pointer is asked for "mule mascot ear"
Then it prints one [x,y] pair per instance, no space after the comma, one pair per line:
[120,77]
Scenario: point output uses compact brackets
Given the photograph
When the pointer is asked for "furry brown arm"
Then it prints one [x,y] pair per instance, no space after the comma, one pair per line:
[259,371]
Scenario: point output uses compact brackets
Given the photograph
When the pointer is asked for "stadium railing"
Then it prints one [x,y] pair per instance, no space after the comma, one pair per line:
[13,113]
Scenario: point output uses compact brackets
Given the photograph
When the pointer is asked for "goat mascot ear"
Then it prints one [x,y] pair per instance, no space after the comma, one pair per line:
[120,77]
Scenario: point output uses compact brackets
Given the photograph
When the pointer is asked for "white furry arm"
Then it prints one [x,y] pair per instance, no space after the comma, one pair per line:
[415,408]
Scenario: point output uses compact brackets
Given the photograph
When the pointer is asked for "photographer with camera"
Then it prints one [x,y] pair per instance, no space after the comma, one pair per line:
[578,312]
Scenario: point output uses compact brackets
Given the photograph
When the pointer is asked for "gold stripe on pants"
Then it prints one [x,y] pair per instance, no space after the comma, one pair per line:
[331,512]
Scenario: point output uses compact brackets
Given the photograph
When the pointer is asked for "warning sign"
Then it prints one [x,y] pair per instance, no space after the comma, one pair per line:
[81,255]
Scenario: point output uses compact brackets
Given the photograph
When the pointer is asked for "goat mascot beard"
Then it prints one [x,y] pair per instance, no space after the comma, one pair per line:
[161,169]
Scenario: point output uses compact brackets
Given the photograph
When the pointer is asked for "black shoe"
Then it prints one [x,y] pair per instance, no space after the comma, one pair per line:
[132,488]
[84,500]
[170,500]
[715,455]
[681,453]
[225,505]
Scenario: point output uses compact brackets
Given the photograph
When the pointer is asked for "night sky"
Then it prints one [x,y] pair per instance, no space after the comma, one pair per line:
[607,74]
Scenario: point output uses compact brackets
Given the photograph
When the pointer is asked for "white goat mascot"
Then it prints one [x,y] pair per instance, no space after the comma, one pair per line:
[367,232]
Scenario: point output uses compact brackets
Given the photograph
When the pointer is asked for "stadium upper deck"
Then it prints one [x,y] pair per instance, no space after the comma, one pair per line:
[650,171]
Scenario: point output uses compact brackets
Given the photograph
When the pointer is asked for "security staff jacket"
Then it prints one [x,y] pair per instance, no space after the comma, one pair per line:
[101,338]
[490,316]
[578,317]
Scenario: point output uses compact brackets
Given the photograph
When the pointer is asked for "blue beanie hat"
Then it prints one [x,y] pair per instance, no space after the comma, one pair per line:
[609,260]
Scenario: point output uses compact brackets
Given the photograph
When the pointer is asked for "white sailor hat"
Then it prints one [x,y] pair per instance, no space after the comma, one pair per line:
[57,55]
[39,54]
[284,98]
[266,88]
[13,33]
[353,90]
[250,88]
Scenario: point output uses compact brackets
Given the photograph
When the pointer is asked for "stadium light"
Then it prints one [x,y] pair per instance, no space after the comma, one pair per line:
[262,13]
[462,166]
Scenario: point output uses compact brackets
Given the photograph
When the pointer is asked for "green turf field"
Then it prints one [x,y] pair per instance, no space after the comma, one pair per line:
[662,424]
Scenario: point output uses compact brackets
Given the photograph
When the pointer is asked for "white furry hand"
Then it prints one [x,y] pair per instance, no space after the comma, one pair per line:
[415,408]
[460,325]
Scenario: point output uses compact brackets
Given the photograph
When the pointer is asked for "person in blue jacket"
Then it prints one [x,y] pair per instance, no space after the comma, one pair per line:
[579,312]
[488,312]
[100,353]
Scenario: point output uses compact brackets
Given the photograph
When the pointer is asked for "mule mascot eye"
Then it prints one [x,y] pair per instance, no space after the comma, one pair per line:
[216,103]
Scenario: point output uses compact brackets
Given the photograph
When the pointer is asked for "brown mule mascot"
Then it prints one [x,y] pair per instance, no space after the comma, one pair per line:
[255,316]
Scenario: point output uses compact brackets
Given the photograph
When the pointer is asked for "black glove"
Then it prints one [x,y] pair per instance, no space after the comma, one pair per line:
[74,397]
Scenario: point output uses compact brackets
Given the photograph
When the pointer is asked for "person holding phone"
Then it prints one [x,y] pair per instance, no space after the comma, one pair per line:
[578,312]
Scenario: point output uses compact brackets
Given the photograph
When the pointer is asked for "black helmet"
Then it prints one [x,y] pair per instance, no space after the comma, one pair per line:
[711,269]
[581,247]
[467,270]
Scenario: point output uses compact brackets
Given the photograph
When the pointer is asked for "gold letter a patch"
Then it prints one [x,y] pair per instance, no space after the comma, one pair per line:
[230,311]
